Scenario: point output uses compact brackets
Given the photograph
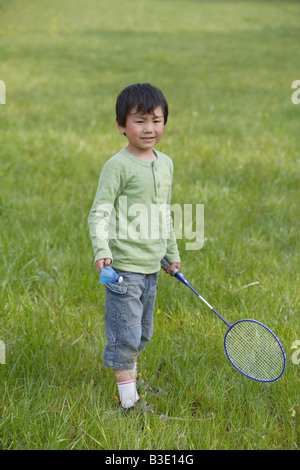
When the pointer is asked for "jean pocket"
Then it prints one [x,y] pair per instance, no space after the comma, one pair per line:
[116,300]
[130,280]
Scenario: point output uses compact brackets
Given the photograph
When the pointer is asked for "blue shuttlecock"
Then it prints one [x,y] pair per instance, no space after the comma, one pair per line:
[109,275]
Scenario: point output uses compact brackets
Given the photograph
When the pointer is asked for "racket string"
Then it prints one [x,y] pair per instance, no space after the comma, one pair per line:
[253,359]
[244,338]
[268,346]
[254,350]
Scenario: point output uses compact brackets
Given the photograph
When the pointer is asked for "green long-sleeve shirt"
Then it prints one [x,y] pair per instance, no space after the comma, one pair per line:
[130,220]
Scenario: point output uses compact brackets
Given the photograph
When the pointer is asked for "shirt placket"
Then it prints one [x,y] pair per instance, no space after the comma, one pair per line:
[158,183]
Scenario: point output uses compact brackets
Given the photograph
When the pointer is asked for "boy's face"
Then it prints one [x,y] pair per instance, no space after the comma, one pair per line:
[143,131]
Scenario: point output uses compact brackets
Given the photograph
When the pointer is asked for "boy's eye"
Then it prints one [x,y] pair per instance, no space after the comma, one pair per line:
[140,121]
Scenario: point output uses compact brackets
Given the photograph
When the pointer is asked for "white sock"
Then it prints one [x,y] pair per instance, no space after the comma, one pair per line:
[128,393]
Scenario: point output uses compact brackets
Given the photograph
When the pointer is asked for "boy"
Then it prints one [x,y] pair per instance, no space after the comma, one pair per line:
[136,180]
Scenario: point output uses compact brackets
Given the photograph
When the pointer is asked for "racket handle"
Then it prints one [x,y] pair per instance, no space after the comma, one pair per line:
[166,263]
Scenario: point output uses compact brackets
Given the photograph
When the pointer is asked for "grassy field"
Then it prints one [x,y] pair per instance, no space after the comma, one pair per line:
[226,68]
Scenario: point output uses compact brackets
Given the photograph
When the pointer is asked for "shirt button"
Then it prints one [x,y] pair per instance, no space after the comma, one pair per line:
[158,185]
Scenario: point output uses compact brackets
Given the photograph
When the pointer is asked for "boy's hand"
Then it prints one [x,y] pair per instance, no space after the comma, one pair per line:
[171,268]
[100,263]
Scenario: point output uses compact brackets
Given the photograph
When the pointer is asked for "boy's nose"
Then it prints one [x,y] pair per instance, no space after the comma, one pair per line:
[148,128]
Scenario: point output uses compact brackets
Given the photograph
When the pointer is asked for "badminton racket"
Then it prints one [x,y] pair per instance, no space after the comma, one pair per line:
[251,347]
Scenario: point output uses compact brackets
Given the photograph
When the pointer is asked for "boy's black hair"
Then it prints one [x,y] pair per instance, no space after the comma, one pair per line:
[142,96]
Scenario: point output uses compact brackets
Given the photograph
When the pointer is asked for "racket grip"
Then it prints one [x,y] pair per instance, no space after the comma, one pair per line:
[166,263]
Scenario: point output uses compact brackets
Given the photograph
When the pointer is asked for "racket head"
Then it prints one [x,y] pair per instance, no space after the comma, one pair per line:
[255,351]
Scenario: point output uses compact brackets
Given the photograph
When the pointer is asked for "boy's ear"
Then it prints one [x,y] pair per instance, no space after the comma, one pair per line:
[122,129]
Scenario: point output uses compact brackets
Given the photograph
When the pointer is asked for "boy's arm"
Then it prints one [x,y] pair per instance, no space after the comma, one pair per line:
[108,189]
[172,252]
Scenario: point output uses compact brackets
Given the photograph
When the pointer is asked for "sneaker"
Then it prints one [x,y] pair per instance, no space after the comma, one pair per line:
[141,407]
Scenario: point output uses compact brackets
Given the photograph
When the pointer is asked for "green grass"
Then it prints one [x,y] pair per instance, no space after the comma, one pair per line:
[226,68]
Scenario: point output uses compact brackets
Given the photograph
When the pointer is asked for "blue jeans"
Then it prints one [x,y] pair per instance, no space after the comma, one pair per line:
[129,310]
